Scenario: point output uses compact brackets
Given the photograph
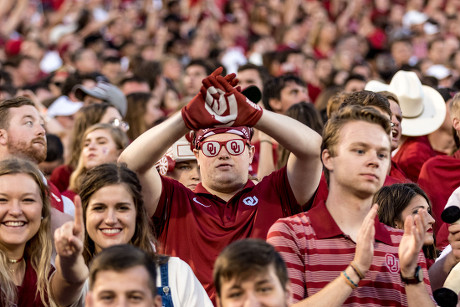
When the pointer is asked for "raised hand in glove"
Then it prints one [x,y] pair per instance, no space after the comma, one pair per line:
[202,112]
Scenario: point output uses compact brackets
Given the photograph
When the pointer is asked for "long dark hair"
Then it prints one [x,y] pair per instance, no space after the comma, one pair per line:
[393,199]
[112,174]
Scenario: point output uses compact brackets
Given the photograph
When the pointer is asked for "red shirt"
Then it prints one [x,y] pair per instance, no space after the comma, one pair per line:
[196,225]
[56,197]
[439,177]
[60,177]
[26,292]
[412,154]
[316,251]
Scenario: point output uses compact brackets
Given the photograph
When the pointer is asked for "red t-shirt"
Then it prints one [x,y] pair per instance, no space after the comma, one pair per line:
[60,177]
[196,225]
[412,154]
[439,177]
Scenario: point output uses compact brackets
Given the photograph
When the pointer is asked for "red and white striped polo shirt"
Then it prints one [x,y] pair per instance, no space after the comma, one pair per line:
[316,251]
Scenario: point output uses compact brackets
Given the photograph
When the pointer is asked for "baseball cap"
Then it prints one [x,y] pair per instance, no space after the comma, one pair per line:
[63,106]
[106,92]
[180,151]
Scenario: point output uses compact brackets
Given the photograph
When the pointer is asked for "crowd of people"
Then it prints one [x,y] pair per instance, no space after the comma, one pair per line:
[229,153]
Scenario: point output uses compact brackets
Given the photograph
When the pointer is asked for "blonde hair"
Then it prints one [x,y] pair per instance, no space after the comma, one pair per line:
[454,107]
[119,138]
[38,248]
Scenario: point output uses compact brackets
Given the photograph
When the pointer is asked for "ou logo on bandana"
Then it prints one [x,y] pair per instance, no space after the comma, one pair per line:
[250,201]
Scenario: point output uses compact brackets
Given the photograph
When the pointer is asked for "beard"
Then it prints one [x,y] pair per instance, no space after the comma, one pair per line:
[31,151]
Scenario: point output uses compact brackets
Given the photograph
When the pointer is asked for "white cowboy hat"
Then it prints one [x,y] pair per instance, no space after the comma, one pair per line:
[423,108]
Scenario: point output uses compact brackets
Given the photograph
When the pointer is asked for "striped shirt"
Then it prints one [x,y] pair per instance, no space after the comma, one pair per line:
[316,251]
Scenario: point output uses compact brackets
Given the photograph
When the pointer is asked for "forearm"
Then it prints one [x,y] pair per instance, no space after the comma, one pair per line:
[334,294]
[296,137]
[439,271]
[417,295]
[68,280]
[148,148]
[266,165]
[304,164]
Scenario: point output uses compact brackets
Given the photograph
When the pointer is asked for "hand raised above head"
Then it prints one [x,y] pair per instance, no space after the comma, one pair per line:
[210,108]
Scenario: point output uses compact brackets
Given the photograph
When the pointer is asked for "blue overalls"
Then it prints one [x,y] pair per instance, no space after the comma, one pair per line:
[164,290]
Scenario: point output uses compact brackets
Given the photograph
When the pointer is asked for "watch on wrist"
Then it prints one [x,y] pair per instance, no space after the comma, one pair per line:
[416,279]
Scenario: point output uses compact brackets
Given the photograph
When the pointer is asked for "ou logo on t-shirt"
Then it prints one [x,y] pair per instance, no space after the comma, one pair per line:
[250,201]
[392,263]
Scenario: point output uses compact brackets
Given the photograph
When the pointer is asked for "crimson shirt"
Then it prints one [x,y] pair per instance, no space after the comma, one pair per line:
[412,154]
[316,250]
[196,225]
[439,177]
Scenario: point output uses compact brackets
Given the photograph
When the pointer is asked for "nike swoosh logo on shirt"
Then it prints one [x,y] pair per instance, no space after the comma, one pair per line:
[195,200]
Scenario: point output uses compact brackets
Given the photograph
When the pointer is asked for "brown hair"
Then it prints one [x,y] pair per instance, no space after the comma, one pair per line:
[7,104]
[137,103]
[112,174]
[120,258]
[334,125]
[38,248]
[244,258]
[368,99]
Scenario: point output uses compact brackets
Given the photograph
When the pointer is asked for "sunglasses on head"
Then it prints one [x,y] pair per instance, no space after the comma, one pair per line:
[212,148]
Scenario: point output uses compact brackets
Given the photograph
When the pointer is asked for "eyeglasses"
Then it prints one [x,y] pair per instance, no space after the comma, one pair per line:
[212,148]
[119,124]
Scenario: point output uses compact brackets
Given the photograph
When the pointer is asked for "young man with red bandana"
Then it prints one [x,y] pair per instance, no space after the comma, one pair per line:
[226,205]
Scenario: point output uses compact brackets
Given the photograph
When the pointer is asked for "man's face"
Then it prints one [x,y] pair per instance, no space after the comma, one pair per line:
[249,77]
[396,119]
[401,52]
[263,289]
[131,287]
[291,94]
[361,161]
[25,136]
[224,172]
[187,173]
[192,80]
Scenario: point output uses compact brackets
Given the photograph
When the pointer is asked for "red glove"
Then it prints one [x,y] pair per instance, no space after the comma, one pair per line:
[247,112]
[198,114]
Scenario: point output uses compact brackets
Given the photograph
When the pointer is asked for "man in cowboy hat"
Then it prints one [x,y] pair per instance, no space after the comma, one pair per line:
[226,205]
[423,110]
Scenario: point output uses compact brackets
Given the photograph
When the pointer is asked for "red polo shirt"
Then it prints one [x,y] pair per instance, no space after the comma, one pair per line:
[196,225]
[439,177]
[316,251]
